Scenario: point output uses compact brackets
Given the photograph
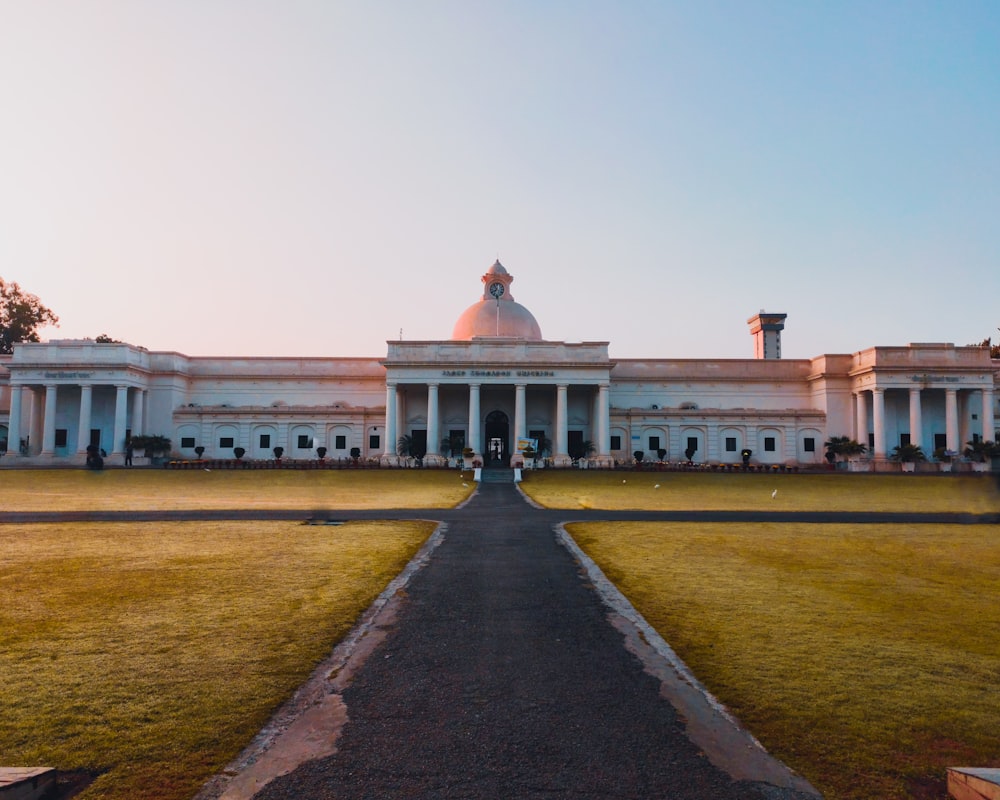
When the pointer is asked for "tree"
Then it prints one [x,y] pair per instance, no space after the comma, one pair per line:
[988,344]
[21,315]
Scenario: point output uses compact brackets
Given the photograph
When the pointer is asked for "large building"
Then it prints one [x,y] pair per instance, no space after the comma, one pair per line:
[494,383]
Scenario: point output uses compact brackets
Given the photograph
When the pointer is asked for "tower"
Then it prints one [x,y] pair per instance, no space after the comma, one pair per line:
[766,331]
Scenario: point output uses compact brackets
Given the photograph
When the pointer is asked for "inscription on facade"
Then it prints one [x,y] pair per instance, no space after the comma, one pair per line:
[499,373]
[69,375]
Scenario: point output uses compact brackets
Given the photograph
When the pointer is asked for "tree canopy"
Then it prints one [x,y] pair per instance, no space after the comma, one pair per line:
[21,315]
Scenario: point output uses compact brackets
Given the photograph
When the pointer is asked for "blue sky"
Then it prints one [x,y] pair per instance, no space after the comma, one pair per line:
[310,178]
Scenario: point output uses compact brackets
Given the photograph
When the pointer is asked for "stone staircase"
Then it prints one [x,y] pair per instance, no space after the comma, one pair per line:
[497,475]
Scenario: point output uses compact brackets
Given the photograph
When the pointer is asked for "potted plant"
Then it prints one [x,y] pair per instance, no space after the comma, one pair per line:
[239,452]
[638,455]
[156,446]
[981,453]
[321,452]
[907,455]
[529,454]
[355,455]
[278,453]
[943,455]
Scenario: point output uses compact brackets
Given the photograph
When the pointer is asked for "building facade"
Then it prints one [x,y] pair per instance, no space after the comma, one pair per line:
[495,383]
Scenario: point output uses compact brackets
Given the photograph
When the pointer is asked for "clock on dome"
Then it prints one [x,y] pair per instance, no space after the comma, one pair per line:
[497,289]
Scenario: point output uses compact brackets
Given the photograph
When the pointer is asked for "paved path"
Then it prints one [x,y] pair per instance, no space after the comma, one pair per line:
[501,674]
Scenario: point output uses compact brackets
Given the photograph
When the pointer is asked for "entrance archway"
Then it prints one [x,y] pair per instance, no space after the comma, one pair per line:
[497,449]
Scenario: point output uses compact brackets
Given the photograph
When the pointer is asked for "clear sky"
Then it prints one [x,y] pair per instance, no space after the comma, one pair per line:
[233,177]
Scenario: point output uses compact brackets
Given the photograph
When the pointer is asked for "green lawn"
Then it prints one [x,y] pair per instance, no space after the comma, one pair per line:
[864,656]
[146,489]
[701,491]
[152,653]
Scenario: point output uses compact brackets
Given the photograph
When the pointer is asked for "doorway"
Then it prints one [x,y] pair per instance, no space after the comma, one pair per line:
[497,451]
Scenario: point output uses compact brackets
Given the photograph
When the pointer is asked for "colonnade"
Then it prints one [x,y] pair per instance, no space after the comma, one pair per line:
[43,405]
[600,419]
[951,420]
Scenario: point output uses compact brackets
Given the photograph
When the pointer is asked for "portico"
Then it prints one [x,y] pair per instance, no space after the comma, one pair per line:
[493,393]
[898,400]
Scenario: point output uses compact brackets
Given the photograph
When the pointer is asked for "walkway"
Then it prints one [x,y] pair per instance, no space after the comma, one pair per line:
[501,674]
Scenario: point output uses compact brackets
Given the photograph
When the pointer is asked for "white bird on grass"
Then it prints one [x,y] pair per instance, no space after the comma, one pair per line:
[774,494]
[623,480]
[657,486]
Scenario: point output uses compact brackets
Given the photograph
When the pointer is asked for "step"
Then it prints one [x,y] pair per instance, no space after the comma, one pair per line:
[25,783]
[974,783]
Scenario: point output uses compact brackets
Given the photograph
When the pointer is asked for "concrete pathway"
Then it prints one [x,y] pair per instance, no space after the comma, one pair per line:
[498,670]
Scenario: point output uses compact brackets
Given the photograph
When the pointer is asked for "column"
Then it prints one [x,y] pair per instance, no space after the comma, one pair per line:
[433,428]
[474,425]
[14,425]
[916,419]
[389,448]
[562,428]
[878,422]
[603,421]
[49,428]
[137,398]
[862,418]
[400,418]
[86,403]
[951,419]
[988,431]
[121,414]
[520,427]
[34,421]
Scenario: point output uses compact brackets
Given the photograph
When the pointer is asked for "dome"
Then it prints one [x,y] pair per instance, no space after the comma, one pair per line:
[496,314]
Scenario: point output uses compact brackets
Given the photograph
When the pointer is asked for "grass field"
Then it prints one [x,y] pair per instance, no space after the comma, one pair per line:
[699,491]
[864,656]
[152,653]
[147,489]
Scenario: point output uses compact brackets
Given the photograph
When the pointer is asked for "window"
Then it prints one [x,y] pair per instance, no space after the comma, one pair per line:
[904,439]
[730,444]
[95,437]
[616,442]
[304,442]
[339,442]
[693,444]
[226,441]
[265,440]
[940,441]
[187,442]
[654,443]
[809,444]
[373,441]
[60,437]
[769,446]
